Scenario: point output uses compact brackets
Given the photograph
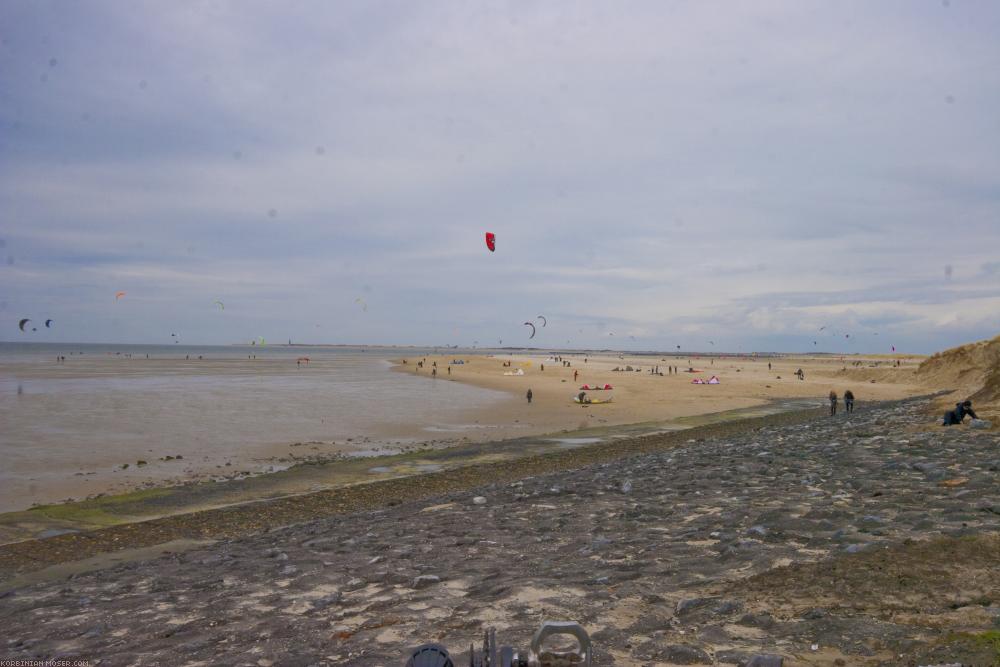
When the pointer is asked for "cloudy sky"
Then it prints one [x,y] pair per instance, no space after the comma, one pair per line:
[669,173]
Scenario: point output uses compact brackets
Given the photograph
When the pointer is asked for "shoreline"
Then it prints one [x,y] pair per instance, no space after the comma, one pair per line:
[94,442]
[264,514]
[311,474]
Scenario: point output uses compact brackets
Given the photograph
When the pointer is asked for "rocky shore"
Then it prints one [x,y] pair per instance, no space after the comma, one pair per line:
[855,540]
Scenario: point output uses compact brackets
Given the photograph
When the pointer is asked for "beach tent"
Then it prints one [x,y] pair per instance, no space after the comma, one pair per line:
[713,380]
[698,381]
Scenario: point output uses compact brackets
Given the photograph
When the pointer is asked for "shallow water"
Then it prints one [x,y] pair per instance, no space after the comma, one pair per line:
[67,429]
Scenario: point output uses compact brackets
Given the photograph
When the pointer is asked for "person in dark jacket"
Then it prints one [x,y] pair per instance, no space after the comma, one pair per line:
[849,400]
[529,395]
[958,414]
[833,403]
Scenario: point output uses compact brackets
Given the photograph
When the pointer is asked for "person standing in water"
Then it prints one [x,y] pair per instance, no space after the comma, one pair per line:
[833,403]
[849,401]
[529,395]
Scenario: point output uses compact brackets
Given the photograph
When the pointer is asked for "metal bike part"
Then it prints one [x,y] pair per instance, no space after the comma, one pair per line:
[582,657]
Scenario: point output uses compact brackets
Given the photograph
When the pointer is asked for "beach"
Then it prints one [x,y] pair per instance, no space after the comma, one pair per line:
[639,396]
[111,421]
[680,523]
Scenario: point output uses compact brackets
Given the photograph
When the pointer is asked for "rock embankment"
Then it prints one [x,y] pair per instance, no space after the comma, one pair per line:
[843,541]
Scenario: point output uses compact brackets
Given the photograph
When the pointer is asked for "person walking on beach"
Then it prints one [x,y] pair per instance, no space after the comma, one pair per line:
[849,401]
[833,403]
[529,395]
[434,372]
[449,370]
[575,374]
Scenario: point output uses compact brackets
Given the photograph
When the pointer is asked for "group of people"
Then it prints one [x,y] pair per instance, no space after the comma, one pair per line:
[951,417]
[848,401]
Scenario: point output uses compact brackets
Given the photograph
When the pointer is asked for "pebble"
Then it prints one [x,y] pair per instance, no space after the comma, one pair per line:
[425,580]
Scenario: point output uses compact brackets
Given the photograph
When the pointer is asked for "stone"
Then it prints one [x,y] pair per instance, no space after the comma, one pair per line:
[425,580]
[690,604]
[684,654]
[981,423]
[354,584]
[479,500]
[327,600]
[765,660]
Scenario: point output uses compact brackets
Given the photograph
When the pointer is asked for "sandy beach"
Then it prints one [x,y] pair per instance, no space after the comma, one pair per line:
[639,396]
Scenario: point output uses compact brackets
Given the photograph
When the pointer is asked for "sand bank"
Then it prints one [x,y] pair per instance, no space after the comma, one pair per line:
[642,397]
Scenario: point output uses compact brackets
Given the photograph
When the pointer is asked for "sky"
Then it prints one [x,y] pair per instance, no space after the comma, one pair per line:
[714,175]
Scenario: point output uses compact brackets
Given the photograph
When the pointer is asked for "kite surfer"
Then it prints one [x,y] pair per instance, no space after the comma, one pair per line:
[833,403]
[957,415]
[849,400]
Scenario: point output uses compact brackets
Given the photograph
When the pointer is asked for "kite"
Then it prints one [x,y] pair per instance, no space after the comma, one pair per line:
[119,295]
[491,241]
[544,321]
[22,323]
[711,342]
[529,324]
[48,324]
[893,348]
[363,303]
[823,327]
[221,305]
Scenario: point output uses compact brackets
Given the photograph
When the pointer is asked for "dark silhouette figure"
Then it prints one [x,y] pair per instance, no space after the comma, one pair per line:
[529,395]
[833,403]
[957,415]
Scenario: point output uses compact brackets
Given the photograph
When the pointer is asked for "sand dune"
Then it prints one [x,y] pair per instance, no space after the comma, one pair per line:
[972,371]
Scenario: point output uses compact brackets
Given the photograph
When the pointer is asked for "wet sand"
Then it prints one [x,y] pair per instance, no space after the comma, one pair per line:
[107,424]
